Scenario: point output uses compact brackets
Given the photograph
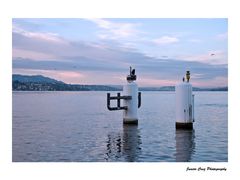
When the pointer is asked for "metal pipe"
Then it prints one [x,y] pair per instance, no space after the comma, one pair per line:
[139,99]
[193,108]
[118,98]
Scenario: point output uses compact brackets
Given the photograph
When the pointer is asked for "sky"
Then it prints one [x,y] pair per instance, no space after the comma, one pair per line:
[100,51]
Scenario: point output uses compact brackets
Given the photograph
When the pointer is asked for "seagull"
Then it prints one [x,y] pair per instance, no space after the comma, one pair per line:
[133,72]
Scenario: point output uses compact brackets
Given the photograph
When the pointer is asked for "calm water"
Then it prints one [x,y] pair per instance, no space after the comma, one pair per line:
[76,126]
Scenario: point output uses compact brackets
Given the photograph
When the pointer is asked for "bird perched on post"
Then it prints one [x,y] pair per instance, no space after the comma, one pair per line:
[133,72]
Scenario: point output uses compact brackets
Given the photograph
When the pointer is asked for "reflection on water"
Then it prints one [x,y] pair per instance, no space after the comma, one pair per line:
[44,129]
[185,145]
[114,147]
[124,146]
[131,142]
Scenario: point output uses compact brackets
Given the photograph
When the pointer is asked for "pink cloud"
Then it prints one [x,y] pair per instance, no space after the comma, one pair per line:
[65,76]
[71,77]
[50,37]
[34,55]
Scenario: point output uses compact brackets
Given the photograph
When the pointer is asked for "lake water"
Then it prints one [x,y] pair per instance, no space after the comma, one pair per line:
[76,126]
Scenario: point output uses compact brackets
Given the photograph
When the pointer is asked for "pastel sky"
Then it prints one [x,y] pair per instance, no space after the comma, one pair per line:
[100,51]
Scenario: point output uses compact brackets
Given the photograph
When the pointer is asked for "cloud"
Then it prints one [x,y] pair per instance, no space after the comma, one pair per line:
[113,30]
[162,72]
[51,37]
[166,40]
[102,62]
[38,45]
[222,36]
[77,64]
[65,76]
[44,48]
[34,55]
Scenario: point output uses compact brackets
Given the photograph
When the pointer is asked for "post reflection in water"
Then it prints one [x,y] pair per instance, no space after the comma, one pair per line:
[131,142]
[124,146]
[185,145]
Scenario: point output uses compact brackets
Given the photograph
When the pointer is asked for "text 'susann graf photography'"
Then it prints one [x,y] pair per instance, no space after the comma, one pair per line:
[120,90]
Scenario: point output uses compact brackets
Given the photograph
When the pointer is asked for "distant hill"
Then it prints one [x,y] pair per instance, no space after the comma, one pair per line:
[211,89]
[42,83]
[34,79]
[164,88]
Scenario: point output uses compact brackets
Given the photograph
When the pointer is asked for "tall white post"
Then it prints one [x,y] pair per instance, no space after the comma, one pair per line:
[130,115]
[184,104]
[131,100]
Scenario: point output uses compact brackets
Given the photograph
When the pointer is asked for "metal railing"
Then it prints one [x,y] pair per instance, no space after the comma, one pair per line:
[118,98]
